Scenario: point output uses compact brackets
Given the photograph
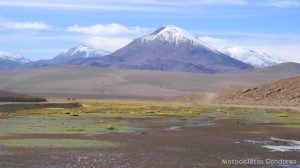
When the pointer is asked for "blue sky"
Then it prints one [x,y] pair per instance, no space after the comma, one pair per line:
[40,29]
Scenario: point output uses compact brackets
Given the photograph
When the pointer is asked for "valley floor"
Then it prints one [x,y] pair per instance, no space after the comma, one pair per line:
[149,134]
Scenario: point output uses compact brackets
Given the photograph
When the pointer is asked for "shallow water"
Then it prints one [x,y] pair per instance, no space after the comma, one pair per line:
[173,128]
[292,145]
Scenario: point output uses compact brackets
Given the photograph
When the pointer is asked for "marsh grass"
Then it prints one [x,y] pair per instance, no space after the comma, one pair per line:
[282,115]
[117,113]
[58,124]
[110,127]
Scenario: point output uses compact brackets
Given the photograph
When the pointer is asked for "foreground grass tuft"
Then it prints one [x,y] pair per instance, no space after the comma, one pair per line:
[282,115]
[110,127]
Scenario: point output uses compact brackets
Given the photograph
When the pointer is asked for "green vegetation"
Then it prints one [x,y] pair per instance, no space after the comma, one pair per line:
[58,143]
[110,127]
[58,124]
[103,116]
[282,115]
[278,143]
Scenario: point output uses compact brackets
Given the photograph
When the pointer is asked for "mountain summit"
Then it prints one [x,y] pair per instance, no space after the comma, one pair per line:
[169,49]
[175,35]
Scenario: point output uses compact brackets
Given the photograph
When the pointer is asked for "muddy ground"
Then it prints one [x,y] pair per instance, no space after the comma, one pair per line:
[154,140]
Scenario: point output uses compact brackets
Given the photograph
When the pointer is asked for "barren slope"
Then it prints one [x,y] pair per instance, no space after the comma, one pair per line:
[281,93]
[88,82]
[16,97]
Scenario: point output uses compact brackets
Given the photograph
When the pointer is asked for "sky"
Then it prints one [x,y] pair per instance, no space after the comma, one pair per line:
[41,29]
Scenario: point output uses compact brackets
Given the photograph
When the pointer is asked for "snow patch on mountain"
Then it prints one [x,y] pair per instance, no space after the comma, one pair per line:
[175,35]
[254,58]
[13,57]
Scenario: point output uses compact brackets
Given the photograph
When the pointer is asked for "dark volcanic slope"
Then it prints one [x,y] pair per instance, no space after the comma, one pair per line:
[6,96]
[168,49]
[283,92]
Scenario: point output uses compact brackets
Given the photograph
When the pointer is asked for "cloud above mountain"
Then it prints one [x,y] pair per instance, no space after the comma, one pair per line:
[109,43]
[285,3]
[31,25]
[106,29]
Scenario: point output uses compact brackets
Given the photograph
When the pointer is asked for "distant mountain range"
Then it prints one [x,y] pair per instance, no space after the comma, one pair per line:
[79,52]
[169,48]
[256,59]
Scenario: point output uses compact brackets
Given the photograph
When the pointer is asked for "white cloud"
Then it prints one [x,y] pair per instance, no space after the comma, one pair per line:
[75,5]
[285,3]
[221,1]
[131,5]
[25,25]
[110,44]
[108,29]
[108,36]
[215,42]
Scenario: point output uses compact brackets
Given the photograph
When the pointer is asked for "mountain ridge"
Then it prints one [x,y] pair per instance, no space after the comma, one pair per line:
[254,58]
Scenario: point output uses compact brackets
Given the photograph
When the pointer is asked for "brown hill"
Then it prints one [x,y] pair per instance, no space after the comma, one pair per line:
[88,82]
[6,96]
[284,92]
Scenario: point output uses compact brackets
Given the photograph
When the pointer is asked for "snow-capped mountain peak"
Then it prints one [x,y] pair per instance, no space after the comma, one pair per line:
[78,52]
[175,35]
[82,51]
[254,58]
[13,57]
[80,48]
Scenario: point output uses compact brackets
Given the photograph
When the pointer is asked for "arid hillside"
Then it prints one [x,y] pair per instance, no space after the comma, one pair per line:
[88,82]
[6,96]
[284,92]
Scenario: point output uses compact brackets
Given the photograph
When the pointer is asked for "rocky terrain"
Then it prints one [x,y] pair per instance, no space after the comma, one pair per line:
[279,94]
[284,92]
